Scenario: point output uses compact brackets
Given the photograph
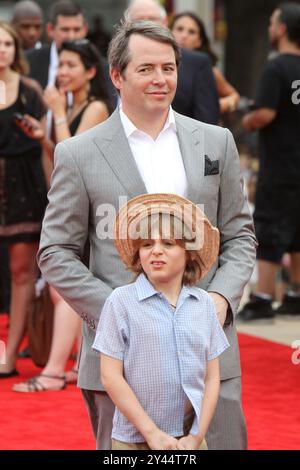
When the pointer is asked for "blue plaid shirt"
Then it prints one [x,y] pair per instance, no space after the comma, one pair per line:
[164,351]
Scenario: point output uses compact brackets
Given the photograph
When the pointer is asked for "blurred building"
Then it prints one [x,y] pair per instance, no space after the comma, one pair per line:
[110,10]
[5,10]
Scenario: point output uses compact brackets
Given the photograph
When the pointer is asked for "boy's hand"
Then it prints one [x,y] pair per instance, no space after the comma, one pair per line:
[159,440]
[190,442]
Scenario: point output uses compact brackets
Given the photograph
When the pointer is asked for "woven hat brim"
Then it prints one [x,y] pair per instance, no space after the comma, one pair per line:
[207,237]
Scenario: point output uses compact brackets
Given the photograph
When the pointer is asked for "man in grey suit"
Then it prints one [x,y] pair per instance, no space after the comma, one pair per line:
[146,147]
[196,93]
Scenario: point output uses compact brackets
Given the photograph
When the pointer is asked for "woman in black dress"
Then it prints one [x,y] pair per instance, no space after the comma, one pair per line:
[80,73]
[22,187]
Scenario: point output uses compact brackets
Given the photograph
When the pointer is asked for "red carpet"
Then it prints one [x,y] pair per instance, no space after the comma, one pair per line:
[44,421]
[58,420]
[271,400]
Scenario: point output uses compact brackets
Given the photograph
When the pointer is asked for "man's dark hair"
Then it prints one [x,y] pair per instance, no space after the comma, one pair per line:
[64,8]
[118,51]
[290,16]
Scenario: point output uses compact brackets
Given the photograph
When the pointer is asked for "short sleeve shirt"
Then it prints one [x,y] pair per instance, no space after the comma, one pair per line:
[164,352]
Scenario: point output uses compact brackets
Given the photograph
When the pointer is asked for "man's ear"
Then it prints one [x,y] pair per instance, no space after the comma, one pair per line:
[116,77]
[49,30]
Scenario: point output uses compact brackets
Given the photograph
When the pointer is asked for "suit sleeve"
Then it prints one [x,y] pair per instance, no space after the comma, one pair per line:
[206,101]
[238,242]
[63,238]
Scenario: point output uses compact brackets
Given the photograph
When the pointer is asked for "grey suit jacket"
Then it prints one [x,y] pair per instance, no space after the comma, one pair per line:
[96,168]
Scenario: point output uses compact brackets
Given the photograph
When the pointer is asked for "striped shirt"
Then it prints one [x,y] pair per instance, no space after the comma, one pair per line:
[164,351]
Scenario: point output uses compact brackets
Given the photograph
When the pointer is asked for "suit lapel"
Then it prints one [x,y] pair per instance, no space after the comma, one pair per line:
[44,68]
[191,142]
[116,150]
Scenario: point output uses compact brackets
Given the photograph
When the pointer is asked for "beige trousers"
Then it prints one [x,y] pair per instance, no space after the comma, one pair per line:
[118,445]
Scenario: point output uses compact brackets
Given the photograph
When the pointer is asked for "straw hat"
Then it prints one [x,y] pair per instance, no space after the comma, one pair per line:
[203,237]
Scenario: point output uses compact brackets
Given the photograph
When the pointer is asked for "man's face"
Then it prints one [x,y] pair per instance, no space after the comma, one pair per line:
[148,84]
[29,30]
[67,28]
[275,29]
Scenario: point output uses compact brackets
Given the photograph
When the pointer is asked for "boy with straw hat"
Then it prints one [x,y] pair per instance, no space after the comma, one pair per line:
[159,337]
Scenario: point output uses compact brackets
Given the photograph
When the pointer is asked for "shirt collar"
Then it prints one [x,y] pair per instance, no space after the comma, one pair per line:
[130,128]
[145,289]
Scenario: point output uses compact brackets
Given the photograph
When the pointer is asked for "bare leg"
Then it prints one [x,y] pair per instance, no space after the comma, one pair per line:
[65,330]
[295,271]
[266,277]
[72,374]
[23,276]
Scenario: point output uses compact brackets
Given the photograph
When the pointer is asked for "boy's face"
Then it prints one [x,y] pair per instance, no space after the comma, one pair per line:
[162,259]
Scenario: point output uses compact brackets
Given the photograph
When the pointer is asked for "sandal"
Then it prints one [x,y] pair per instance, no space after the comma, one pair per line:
[34,384]
[71,376]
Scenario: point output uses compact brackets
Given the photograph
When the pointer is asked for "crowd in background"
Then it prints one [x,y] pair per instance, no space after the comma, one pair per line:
[61,89]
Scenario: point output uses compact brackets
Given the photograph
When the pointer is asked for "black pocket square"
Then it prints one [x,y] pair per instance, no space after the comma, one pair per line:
[211,166]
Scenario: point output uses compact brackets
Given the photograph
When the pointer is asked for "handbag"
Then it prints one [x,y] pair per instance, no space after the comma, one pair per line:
[40,324]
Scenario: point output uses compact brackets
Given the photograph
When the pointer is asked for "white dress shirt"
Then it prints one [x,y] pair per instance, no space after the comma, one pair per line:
[52,72]
[159,161]
[53,65]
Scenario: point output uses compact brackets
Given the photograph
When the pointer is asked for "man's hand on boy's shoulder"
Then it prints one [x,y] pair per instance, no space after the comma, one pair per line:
[221,306]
